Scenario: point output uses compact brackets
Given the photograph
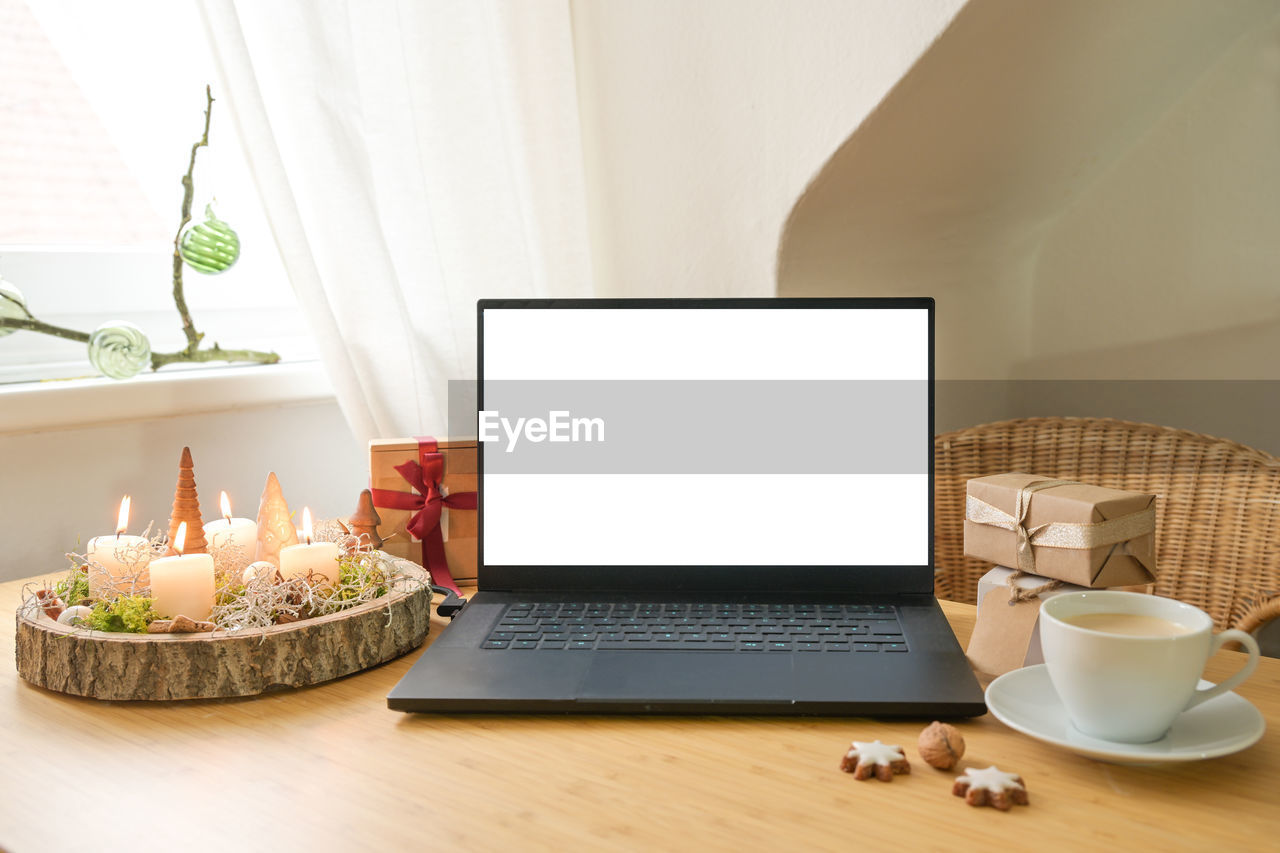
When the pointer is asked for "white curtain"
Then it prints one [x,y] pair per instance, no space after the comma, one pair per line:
[411,157]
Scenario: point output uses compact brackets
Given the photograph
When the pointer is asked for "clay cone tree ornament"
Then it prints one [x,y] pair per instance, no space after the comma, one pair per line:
[186,507]
[275,526]
[364,523]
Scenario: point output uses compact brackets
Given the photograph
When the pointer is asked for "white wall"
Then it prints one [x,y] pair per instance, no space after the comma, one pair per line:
[1168,267]
[1088,189]
[62,487]
[1159,283]
[703,121]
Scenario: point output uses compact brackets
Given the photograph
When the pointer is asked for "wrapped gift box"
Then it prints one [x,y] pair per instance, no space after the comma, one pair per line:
[1085,535]
[1006,636]
[459,527]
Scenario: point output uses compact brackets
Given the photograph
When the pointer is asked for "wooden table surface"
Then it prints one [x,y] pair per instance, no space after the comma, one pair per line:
[330,768]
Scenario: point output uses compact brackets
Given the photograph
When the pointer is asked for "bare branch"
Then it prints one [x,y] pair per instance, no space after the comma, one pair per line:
[188,193]
[192,351]
[216,353]
[34,325]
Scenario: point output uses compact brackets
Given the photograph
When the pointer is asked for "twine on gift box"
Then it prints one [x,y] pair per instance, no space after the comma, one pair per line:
[1019,594]
[1072,535]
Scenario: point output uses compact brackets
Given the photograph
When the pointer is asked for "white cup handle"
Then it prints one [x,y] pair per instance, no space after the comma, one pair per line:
[1251,646]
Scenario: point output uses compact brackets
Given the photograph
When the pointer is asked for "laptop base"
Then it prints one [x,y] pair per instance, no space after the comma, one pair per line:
[456,675]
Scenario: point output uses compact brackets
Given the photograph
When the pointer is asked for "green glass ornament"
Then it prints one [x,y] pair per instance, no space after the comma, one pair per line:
[119,350]
[12,305]
[210,247]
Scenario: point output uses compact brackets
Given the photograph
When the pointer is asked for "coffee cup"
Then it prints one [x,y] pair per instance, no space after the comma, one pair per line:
[1126,664]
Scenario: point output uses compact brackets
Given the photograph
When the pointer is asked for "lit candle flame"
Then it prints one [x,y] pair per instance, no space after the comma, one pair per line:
[122,521]
[180,538]
[226,507]
[306,524]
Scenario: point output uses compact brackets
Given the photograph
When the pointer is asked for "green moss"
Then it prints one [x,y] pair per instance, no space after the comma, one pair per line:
[126,614]
[74,588]
[361,577]
[358,573]
[229,594]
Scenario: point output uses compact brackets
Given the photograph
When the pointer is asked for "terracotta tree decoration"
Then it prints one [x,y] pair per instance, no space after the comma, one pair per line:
[186,507]
[364,523]
[275,526]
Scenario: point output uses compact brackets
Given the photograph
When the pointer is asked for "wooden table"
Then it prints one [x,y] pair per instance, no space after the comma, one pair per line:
[330,768]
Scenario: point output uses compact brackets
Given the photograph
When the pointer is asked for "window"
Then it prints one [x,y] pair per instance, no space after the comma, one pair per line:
[100,104]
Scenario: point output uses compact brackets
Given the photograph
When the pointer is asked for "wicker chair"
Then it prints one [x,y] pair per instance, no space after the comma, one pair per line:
[1217,507]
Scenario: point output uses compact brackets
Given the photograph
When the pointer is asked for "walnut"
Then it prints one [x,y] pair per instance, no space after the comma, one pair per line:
[864,760]
[941,745]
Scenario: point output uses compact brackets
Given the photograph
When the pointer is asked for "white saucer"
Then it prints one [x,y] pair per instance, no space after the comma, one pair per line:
[1025,700]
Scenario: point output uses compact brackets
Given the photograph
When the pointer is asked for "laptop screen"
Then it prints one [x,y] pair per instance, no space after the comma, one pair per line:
[690,434]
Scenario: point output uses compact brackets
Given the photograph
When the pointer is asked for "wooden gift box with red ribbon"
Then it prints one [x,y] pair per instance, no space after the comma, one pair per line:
[424,491]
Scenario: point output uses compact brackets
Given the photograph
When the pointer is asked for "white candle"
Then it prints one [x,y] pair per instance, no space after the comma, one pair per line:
[118,564]
[183,585]
[228,532]
[315,558]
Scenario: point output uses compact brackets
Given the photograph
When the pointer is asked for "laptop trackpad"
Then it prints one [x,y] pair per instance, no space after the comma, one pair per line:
[693,676]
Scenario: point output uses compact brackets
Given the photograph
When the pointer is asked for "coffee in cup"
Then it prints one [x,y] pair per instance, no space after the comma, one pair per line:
[1128,624]
[1125,664]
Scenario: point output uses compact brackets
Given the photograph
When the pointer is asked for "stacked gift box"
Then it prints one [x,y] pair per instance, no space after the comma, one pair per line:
[424,491]
[1047,536]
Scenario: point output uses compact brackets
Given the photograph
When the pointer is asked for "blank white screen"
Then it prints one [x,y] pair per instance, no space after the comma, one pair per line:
[636,518]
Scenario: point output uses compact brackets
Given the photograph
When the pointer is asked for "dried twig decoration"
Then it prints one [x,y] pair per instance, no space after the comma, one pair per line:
[265,600]
[133,577]
[230,559]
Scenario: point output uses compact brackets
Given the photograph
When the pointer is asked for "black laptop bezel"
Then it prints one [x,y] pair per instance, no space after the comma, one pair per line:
[852,578]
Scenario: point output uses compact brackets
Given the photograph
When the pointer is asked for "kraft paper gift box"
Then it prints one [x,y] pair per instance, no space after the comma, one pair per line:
[1006,633]
[1085,535]
[458,526]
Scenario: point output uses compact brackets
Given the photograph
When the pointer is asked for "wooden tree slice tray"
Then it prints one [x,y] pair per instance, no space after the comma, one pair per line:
[106,665]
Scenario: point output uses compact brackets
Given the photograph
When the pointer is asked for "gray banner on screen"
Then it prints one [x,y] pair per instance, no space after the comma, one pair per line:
[704,426]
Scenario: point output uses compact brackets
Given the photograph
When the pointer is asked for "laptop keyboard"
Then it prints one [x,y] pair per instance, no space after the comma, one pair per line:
[699,627]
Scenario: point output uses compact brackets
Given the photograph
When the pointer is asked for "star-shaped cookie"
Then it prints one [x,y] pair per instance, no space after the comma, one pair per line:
[864,760]
[990,787]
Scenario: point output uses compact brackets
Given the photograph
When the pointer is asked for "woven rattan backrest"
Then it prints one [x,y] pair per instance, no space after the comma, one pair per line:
[1217,507]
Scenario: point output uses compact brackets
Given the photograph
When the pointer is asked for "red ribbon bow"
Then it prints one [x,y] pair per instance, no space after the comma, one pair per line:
[425,475]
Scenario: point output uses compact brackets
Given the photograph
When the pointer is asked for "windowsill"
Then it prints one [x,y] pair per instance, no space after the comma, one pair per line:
[75,403]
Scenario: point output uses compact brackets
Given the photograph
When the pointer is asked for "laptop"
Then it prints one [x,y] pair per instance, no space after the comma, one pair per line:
[702,506]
